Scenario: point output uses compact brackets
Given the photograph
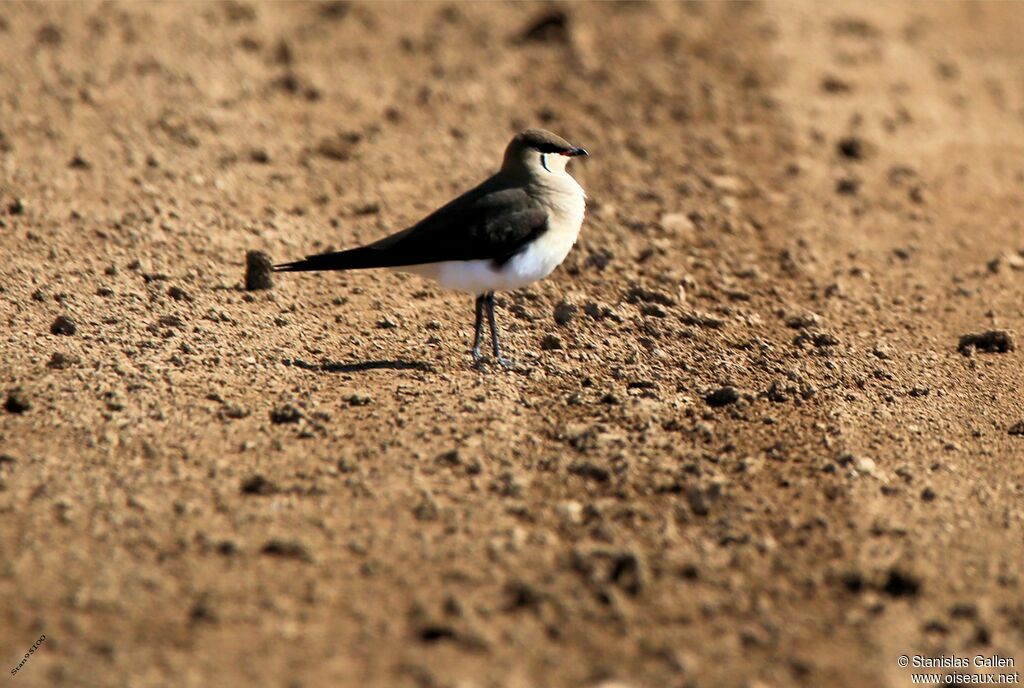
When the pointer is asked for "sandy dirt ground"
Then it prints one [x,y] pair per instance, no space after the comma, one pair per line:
[749,452]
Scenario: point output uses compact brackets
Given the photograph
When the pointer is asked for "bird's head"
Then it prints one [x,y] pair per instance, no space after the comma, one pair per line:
[539,152]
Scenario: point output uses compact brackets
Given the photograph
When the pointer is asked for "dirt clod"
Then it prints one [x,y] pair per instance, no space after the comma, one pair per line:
[340,147]
[178,294]
[287,549]
[551,27]
[63,325]
[17,401]
[851,148]
[641,295]
[900,583]
[564,313]
[258,485]
[590,471]
[259,269]
[992,341]
[62,361]
[550,342]
[723,396]
[285,414]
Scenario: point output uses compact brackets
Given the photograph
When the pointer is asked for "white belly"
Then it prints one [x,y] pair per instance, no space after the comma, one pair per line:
[536,261]
[479,276]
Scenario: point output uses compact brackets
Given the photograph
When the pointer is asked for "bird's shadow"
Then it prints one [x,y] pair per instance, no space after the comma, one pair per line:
[359,366]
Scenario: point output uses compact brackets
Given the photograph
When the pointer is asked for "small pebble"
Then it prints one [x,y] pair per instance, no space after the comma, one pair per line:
[178,294]
[570,512]
[63,325]
[286,549]
[722,397]
[993,341]
[17,401]
[285,414]
[258,269]
[550,342]
[865,465]
[564,313]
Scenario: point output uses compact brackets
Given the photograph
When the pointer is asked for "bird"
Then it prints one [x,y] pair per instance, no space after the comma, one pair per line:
[511,230]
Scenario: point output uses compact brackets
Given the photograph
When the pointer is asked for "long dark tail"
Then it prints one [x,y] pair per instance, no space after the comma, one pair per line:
[353,259]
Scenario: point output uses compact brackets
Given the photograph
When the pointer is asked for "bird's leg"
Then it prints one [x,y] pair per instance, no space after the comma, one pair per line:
[480,302]
[495,343]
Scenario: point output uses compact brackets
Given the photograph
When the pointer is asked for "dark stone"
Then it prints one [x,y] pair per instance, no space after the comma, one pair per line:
[641,295]
[16,401]
[258,485]
[993,341]
[564,313]
[334,10]
[901,584]
[63,325]
[652,310]
[851,148]
[847,186]
[77,162]
[49,34]
[627,573]
[432,633]
[340,147]
[590,471]
[258,269]
[722,397]
[259,155]
[449,458]
[178,294]
[550,27]
[853,581]
[233,412]
[286,549]
[285,414]
[550,342]
[201,613]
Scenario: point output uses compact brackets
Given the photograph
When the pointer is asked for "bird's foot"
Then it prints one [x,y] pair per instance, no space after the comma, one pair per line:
[512,366]
[480,362]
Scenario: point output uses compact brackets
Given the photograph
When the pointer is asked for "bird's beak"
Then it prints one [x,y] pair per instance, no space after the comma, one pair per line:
[574,152]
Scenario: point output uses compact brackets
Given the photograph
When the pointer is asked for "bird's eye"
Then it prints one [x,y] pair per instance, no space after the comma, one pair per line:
[544,161]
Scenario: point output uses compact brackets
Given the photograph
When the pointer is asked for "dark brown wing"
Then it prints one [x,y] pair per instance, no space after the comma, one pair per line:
[491,222]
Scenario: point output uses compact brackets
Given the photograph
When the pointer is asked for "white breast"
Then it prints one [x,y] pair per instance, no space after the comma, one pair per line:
[566,204]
